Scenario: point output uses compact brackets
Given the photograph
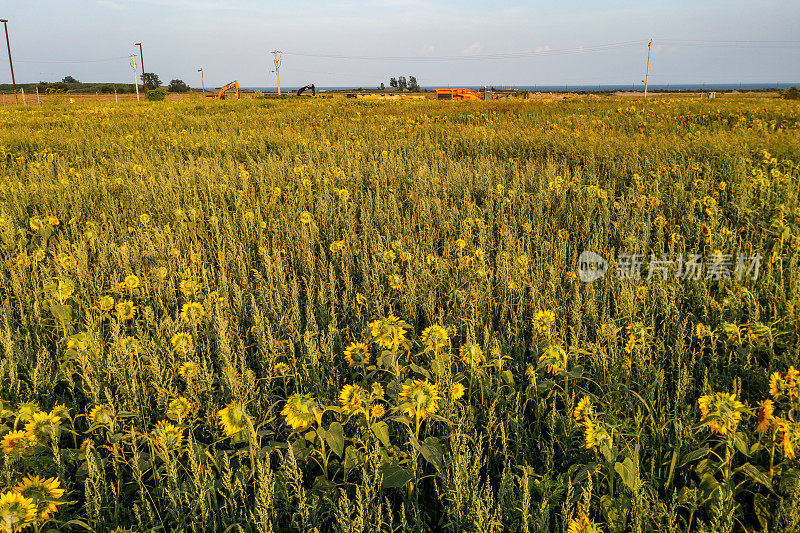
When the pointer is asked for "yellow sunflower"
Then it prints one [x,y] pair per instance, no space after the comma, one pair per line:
[543,321]
[193,313]
[16,442]
[583,409]
[43,493]
[353,399]
[357,354]
[281,369]
[232,418]
[102,414]
[471,353]
[126,310]
[178,409]
[189,370]
[106,303]
[43,425]
[724,407]
[300,411]
[582,524]
[378,411]
[131,282]
[457,391]
[167,435]
[389,333]
[554,359]
[16,511]
[790,438]
[765,418]
[181,343]
[419,399]
[130,346]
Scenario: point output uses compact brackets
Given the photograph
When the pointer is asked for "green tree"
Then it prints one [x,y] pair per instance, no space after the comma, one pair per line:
[402,84]
[412,84]
[151,80]
[392,82]
[178,86]
[69,79]
[792,93]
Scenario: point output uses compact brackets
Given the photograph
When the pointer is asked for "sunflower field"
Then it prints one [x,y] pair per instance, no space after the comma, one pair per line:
[349,316]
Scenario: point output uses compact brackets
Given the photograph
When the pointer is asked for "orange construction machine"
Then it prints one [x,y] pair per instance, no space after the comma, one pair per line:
[458,94]
[225,88]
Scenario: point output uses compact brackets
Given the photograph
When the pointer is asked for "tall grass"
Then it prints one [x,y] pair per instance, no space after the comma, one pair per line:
[304,222]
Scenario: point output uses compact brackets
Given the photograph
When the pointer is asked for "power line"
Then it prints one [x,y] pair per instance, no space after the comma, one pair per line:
[71,60]
[481,57]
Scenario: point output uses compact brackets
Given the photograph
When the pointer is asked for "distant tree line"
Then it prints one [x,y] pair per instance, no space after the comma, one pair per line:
[150,80]
[405,85]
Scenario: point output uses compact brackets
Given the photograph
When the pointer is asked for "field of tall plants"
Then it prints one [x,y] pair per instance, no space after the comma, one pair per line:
[329,315]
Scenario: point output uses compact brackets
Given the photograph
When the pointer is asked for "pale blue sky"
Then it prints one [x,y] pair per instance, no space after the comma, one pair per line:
[230,39]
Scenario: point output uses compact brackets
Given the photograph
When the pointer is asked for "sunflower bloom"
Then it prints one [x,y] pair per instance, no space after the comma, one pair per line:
[357,354]
[582,524]
[43,493]
[765,417]
[181,343]
[193,313]
[16,511]
[554,359]
[353,399]
[178,409]
[232,418]
[472,354]
[126,310]
[389,333]
[43,425]
[419,399]
[300,411]
[167,435]
[543,321]
[16,442]
[435,337]
[457,391]
[583,409]
[726,409]
[102,414]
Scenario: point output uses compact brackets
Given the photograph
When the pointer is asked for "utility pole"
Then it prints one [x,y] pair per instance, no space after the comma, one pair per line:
[647,72]
[10,63]
[277,69]
[141,60]
[202,81]
[135,76]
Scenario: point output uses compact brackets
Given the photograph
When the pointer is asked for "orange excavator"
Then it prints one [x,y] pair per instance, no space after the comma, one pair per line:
[225,88]
[458,94]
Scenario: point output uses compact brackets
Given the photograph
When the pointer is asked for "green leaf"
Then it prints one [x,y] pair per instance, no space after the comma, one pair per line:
[755,474]
[762,508]
[394,475]
[431,450]
[741,444]
[334,436]
[62,312]
[507,376]
[628,472]
[352,458]
[790,481]
[381,430]
[693,456]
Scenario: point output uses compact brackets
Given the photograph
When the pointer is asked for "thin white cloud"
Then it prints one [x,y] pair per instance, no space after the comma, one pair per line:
[110,5]
[474,48]
[540,49]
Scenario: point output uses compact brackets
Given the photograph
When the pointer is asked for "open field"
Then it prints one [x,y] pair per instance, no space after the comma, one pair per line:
[351,316]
